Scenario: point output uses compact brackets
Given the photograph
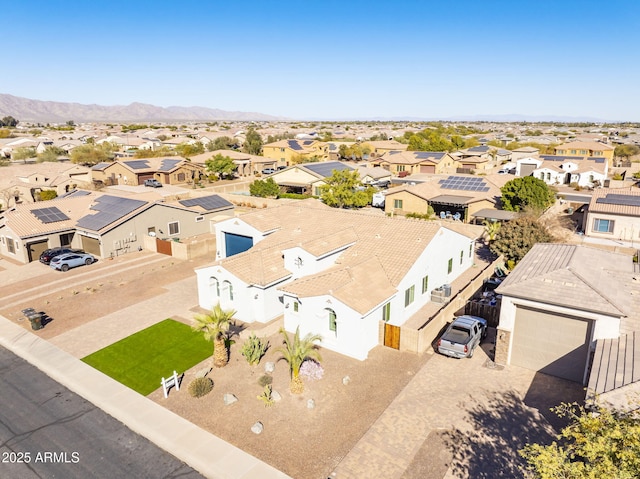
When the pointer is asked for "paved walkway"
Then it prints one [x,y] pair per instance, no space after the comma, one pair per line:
[431,403]
[206,453]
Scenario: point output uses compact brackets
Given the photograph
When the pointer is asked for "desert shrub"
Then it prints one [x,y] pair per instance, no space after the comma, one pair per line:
[617,177]
[265,379]
[200,387]
[254,348]
[295,196]
[311,369]
[266,396]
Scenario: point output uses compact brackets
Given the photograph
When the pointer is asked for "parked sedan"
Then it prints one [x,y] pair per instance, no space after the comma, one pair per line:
[49,254]
[70,260]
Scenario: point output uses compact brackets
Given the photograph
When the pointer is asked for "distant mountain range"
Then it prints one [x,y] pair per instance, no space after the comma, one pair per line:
[27,110]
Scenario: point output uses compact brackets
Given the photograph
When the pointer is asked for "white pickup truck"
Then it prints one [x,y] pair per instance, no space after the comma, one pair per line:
[463,336]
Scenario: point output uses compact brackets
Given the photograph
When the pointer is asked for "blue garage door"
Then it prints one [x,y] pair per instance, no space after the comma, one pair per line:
[235,244]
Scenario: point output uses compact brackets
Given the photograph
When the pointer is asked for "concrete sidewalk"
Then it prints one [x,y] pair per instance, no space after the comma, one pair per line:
[204,452]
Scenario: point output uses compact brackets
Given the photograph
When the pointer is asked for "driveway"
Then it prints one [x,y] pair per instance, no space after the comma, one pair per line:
[462,418]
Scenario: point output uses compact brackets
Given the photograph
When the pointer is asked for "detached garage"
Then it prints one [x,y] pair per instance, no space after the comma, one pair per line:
[553,344]
[557,302]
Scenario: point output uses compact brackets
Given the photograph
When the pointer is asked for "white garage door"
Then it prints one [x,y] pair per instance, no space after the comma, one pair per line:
[552,344]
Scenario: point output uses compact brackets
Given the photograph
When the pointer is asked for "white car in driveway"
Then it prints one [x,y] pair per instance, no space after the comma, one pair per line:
[64,262]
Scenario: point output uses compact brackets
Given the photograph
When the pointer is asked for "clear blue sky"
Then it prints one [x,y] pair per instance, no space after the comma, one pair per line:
[331,59]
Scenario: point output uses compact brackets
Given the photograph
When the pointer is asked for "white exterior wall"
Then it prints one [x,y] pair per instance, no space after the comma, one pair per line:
[355,335]
[625,228]
[604,327]
[250,302]
[527,161]
[235,226]
[310,264]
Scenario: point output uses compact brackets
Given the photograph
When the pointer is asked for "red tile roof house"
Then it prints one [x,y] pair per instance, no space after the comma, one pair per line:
[337,273]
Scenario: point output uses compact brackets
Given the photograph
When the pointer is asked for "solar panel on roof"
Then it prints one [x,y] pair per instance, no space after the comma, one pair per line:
[109,209]
[623,200]
[137,164]
[294,145]
[168,165]
[464,183]
[208,203]
[325,169]
[49,215]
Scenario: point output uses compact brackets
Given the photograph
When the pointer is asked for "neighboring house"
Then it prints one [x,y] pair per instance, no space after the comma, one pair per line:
[614,214]
[333,272]
[370,175]
[558,301]
[404,163]
[246,164]
[586,172]
[379,148]
[103,225]
[587,148]
[455,196]
[307,178]
[286,151]
[169,171]
[26,181]
[524,152]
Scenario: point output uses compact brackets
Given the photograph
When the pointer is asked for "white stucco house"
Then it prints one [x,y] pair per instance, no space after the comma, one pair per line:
[331,272]
[558,301]
[564,170]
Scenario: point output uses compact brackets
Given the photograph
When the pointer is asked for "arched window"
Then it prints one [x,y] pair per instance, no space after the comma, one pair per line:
[214,285]
[333,326]
[226,285]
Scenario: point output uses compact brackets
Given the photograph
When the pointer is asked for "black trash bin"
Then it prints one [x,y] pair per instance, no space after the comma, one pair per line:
[36,321]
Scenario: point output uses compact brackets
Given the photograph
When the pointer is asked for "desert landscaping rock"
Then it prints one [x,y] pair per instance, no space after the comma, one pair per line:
[229,399]
[257,428]
[269,367]
[276,396]
[346,380]
[311,404]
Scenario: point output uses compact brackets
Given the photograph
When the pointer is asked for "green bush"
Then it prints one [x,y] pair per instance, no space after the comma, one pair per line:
[264,188]
[295,196]
[617,177]
[48,195]
[254,348]
[200,387]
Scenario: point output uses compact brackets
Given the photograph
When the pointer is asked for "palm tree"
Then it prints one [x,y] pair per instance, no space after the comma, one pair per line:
[214,325]
[491,228]
[295,351]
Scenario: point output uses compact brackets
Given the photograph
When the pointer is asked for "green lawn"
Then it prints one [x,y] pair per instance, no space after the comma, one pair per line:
[142,359]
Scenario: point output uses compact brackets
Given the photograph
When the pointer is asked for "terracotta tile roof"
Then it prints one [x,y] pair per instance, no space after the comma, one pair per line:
[392,244]
[361,286]
[574,276]
[412,157]
[585,145]
[615,201]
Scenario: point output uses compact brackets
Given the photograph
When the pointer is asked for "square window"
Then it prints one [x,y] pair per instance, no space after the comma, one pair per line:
[174,228]
[603,226]
[397,204]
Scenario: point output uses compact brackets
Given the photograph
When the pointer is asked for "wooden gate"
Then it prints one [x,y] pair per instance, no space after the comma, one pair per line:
[163,246]
[392,336]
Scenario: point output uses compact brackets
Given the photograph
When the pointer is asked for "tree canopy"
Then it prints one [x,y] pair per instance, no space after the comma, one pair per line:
[187,150]
[23,153]
[92,154]
[626,151]
[264,188]
[221,143]
[253,142]
[51,153]
[515,238]
[598,444]
[526,192]
[344,190]
[9,121]
[221,165]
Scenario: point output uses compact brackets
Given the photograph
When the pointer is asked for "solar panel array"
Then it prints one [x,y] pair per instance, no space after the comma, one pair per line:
[168,165]
[464,183]
[109,209]
[137,164]
[294,145]
[624,200]
[208,203]
[325,169]
[49,215]
[100,166]
[425,155]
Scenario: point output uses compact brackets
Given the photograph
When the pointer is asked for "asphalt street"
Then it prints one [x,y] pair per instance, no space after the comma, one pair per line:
[46,431]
